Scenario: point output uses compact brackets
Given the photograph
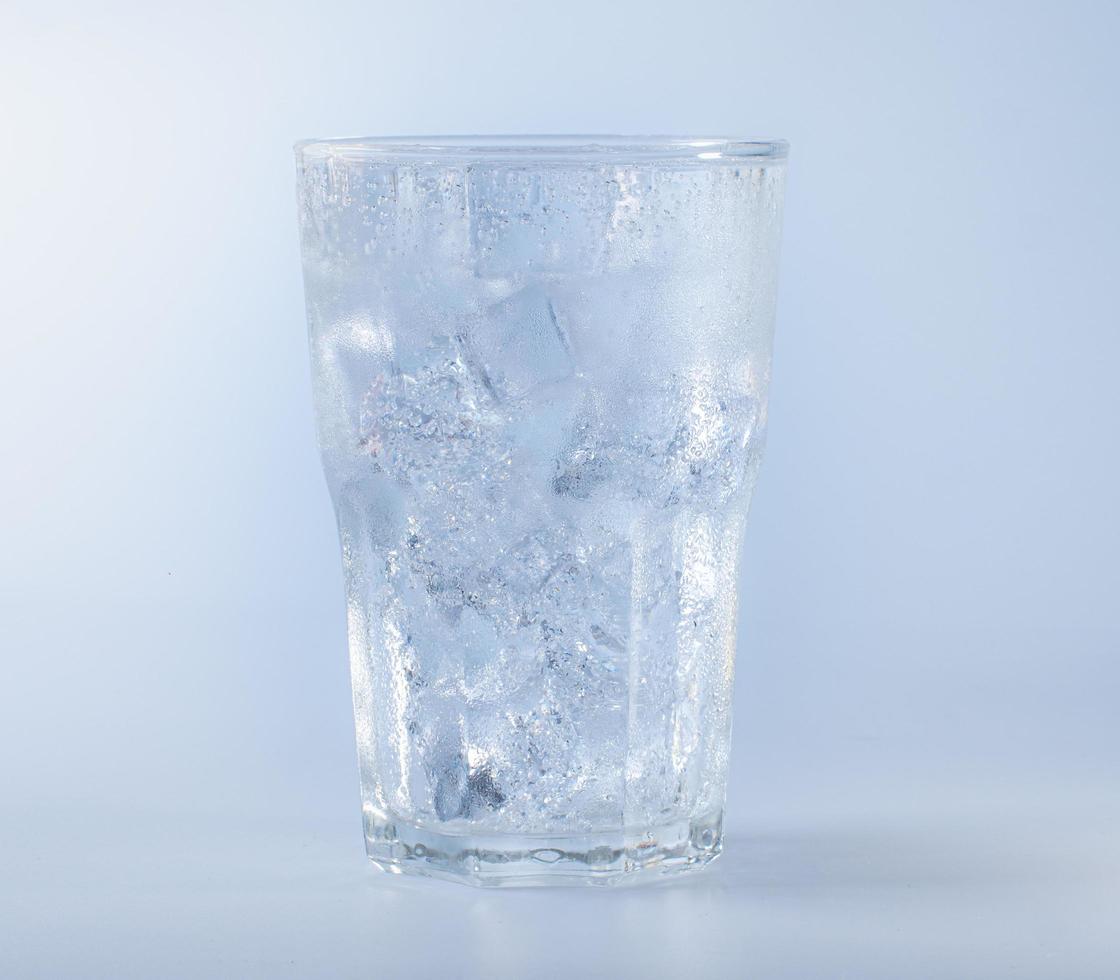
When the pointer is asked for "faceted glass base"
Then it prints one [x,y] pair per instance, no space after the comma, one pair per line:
[611,858]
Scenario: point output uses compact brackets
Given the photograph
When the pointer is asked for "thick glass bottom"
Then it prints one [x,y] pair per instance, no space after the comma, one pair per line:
[612,858]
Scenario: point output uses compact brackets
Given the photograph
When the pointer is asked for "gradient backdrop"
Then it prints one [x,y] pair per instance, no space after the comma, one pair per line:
[927,737]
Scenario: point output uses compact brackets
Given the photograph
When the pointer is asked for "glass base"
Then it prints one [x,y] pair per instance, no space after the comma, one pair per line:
[610,858]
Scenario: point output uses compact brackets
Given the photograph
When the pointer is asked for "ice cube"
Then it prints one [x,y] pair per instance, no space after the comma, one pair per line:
[522,224]
[583,463]
[708,458]
[517,345]
[460,789]
[431,423]
[449,786]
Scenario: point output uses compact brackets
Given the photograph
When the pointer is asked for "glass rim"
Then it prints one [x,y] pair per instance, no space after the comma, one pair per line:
[516,150]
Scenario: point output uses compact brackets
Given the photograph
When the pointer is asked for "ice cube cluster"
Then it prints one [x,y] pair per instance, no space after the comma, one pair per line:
[541,472]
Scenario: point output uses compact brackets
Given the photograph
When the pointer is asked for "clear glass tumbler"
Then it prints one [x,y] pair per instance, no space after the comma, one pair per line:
[540,370]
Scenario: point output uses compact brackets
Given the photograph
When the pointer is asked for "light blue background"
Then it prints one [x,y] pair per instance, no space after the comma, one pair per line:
[927,745]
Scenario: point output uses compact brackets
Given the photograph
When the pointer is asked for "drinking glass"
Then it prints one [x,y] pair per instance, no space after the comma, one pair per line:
[540,370]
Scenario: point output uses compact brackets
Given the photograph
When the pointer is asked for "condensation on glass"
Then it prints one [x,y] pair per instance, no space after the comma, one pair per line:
[540,370]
